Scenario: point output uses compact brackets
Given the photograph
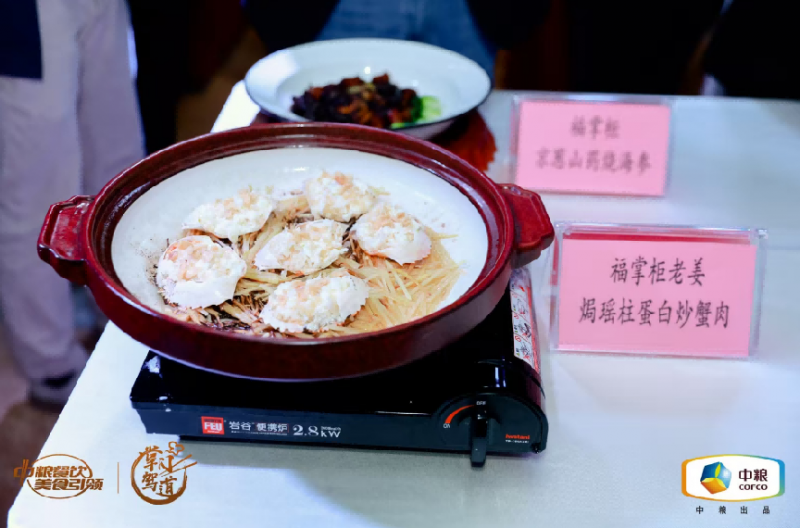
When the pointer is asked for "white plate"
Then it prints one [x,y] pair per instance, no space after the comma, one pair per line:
[156,217]
[459,83]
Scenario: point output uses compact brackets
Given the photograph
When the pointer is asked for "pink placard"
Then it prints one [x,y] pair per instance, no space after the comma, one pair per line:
[593,148]
[686,298]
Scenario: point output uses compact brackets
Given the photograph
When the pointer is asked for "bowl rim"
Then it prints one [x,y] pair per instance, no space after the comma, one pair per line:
[470,177]
[289,116]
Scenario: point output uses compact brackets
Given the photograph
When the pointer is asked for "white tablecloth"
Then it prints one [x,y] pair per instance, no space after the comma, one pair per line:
[620,427]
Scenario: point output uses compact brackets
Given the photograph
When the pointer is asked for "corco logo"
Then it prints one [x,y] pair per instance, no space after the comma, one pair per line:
[733,478]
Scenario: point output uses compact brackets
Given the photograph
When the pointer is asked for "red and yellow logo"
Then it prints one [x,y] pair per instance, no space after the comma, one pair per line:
[58,476]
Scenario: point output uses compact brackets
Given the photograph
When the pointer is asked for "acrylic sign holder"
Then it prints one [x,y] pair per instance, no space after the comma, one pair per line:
[656,290]
[591,144]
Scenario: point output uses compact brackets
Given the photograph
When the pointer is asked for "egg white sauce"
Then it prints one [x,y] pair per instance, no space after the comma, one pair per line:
[196,272]
[315,304]
[303,248]
[245,212]
[338,196]
[388,231]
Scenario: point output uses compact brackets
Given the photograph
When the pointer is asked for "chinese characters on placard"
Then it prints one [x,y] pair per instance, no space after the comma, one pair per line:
[655,271]
[650,311]
[606,160]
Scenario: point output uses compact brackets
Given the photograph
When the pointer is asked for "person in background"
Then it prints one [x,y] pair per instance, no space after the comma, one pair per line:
[180,46]
[68,123]
[473,28]
[162,39]
[753,49]
[623,46]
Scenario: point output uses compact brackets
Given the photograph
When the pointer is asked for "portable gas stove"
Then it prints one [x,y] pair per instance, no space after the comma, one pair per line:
[482,394]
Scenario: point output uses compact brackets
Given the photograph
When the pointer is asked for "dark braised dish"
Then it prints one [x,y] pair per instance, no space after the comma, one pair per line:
[378,103]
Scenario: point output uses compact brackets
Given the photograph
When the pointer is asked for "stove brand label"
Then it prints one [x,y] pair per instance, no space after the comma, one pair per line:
[259,428]
[213,425]
[525,343]
[273,429]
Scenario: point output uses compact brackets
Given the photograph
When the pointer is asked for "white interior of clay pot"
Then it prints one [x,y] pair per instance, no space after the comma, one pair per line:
[155,219]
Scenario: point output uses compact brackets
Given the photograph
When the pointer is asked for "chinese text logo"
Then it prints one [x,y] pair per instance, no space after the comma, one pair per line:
[733,478]
[715,477]
[159,477]
[58,476]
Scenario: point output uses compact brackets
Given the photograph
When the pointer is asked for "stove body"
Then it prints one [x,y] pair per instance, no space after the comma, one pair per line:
[482,394]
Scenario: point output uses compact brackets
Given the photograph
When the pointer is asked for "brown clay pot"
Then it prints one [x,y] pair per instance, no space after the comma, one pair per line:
[77,234]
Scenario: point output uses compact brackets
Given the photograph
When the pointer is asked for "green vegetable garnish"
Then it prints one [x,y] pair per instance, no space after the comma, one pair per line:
[426,108]
[431,108]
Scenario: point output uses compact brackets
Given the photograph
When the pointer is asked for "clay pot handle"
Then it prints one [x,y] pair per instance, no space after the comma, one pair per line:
[532,228]
[60,241]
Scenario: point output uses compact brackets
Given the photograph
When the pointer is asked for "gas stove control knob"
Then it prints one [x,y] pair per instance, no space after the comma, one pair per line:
[479,438]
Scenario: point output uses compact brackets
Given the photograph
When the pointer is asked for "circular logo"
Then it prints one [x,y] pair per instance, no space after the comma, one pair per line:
[158,476]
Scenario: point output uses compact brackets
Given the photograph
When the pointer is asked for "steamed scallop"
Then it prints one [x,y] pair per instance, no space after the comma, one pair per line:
[303,248]
[388,231]
[315,304]
[245,212]
[196,272]
[338,197]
